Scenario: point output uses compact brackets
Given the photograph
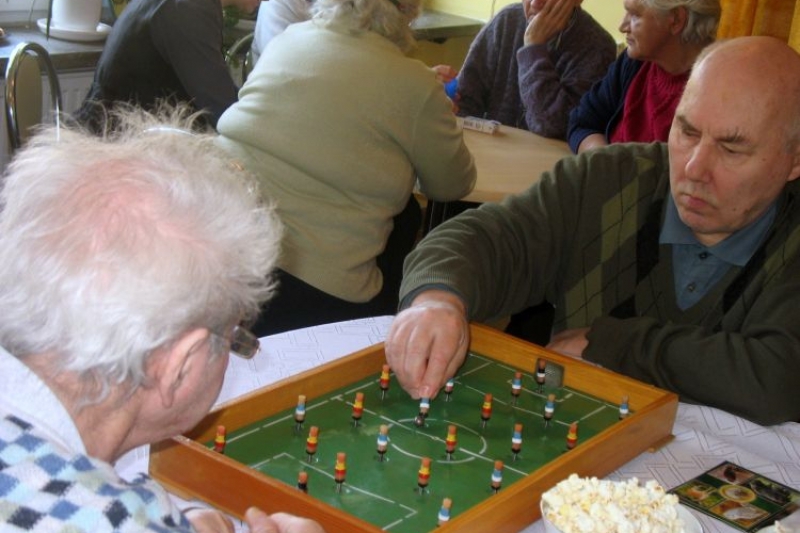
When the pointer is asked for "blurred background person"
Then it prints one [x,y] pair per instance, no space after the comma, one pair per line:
[167,50]
[135,258]
[530,65]
[338,125]
[273,17]
[636,100]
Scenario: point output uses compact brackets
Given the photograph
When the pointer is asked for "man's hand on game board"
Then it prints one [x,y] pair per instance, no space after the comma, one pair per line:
[427,342]
[570,342]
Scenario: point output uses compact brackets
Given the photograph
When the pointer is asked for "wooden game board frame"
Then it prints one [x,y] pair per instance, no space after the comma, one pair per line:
[193,471]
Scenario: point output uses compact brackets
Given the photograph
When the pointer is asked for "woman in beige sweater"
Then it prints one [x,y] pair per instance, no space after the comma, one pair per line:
[339,125]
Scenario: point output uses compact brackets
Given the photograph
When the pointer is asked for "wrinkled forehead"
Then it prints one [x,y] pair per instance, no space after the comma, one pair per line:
[733,99]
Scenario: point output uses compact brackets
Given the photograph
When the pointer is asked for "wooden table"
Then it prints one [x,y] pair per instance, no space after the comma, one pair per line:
[508,162]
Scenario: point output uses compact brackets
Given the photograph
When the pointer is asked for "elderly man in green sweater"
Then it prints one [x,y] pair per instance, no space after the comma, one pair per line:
[676,264]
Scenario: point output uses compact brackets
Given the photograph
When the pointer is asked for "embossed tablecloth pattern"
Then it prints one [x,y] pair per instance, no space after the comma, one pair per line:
[704,437]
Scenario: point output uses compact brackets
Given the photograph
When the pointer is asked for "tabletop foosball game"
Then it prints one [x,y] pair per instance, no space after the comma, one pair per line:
[345,445]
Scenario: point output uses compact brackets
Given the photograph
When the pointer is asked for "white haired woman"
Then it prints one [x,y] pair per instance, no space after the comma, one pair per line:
[636,100]
[338,125]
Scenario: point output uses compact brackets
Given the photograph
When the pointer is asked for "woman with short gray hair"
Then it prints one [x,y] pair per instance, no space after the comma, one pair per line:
[636,100]
[339,125]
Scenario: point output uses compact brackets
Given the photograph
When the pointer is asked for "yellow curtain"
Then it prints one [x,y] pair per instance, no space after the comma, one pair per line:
[778,18]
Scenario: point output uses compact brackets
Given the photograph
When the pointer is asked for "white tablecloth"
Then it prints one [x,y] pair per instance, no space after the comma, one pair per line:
[704,437]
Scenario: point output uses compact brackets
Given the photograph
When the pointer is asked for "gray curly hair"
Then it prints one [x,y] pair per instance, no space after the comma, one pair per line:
[390,18]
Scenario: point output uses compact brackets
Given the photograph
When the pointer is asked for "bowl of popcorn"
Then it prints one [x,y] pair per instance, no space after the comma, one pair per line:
[583,505]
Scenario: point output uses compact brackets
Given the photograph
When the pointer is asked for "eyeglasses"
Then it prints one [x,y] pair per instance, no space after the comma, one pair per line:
[243,343]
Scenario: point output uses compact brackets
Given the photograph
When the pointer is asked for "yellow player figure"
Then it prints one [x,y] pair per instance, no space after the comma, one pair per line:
[384,381]
[340,470]
[311,443]
[358,408]
[424,474]
[486,409]
[450,441]
[572,435]
[219,440]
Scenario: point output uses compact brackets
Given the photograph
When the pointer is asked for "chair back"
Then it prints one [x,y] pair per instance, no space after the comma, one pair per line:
[24,103]
[239,58]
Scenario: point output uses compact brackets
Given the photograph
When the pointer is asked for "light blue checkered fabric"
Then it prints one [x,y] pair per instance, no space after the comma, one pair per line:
[45,487]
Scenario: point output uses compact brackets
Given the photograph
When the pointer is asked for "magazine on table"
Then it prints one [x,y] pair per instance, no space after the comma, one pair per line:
[741,498]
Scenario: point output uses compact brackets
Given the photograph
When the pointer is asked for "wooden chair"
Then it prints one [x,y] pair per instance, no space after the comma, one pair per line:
[24,103]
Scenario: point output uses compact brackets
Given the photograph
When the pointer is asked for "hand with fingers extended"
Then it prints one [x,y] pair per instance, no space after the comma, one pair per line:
[428,342]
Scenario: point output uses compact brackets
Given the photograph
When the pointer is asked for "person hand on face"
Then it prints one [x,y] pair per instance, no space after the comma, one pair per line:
[546,18]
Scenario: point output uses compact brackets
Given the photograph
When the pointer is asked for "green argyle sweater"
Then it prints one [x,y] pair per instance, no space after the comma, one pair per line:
[585,237]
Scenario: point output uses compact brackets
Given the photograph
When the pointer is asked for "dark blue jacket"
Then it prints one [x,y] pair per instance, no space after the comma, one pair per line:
[601,108]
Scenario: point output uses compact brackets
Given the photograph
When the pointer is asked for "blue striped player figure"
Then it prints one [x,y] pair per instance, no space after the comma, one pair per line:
[424,407]
[497,476]
[549,409]
[541,375]
[516,387]
[383,441]
[444,512]
[300,413]
[624,410]
[516,440]
[448,389]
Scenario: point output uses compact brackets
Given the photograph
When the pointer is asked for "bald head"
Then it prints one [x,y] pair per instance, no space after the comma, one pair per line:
[764,71]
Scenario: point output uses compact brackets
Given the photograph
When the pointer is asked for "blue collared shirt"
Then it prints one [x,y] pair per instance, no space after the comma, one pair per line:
[696,267]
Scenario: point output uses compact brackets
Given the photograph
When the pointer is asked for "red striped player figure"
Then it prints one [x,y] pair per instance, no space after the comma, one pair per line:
[541,375]
[516,440]
[424,474]
[219,440]
[424,407]
[516,387]
[300,413]
[358,408]
[302,481]
[450,441]
[448,389]
[340,470]
[444,512]
[311,443]
[384,380]
[572,435]
[624,410]
[497,476]
[486,409]
[383,441]
[549,409]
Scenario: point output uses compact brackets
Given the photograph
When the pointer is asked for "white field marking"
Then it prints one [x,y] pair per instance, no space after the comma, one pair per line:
[442,441]
[480,367]
[275,422]
[488,460]
[592,413]
[409,510]
[237,437]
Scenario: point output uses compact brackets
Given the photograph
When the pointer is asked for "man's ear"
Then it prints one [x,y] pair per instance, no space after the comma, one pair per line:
[795,172]
[176,362]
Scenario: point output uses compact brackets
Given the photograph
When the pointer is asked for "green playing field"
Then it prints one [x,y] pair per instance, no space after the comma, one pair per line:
[386,493]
